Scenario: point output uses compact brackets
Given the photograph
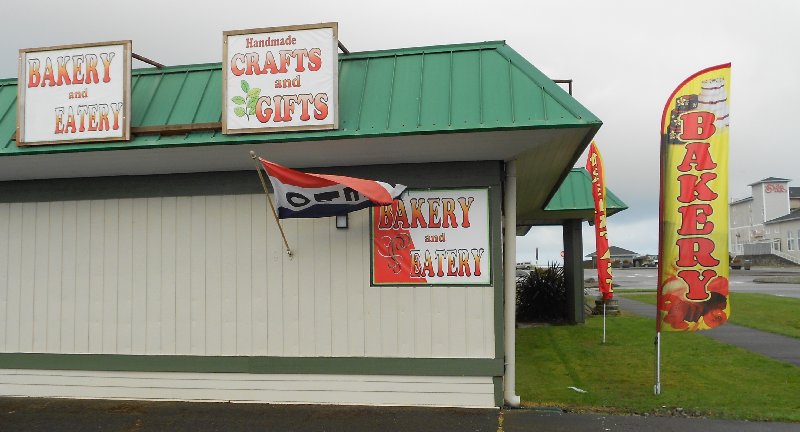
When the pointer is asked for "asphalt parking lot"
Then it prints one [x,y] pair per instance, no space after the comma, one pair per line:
[65,415]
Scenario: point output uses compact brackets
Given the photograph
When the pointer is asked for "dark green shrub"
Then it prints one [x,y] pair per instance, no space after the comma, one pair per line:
[542,295]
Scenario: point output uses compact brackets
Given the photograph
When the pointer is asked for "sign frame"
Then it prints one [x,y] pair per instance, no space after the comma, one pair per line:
[335,105]
[489,241]
[126,93]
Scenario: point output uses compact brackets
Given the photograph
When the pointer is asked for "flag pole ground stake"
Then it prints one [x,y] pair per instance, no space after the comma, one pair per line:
[271,206]
[604,321]
[657,386]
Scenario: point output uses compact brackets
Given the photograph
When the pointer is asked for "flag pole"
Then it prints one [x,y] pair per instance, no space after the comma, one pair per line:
[659,273]
[604,321]
[271,206]
[657,386]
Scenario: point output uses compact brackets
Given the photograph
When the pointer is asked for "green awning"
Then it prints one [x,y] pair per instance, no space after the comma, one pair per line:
[573,200]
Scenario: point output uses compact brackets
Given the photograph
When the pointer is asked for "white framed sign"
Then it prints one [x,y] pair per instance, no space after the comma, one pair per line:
[74,93]
[280,79]
[433,237]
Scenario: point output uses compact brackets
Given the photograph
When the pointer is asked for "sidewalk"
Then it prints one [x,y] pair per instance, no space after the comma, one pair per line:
[63,415]
[779,347]
[538,421]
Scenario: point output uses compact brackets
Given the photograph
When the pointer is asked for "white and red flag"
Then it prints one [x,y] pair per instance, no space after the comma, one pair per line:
[306,195]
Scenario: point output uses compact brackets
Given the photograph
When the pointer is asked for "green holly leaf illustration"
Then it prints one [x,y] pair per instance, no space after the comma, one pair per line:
[245,86]
[239,111]
[251,102]
[251,110]
[238,100]
[254,93]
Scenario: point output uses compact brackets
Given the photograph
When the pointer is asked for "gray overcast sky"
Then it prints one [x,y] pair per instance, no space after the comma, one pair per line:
[626,57]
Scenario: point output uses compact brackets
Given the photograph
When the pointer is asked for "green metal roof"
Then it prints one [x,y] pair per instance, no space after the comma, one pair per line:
[443,89]
[575,194]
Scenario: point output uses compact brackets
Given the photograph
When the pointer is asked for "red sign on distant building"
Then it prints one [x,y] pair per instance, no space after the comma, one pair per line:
[774,187]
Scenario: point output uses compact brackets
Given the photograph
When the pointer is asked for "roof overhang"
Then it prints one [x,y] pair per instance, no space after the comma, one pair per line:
[545,157]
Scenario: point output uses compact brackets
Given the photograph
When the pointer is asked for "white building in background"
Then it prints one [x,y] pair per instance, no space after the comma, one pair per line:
[767,222]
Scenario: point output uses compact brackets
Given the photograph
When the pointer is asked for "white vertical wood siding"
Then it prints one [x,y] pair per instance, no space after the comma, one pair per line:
[207,275]
[294,388]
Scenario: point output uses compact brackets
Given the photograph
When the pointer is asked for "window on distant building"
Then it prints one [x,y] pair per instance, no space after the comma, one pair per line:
[790,246]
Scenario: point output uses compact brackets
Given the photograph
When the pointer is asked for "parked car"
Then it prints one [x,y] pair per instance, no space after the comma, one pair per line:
[738,262]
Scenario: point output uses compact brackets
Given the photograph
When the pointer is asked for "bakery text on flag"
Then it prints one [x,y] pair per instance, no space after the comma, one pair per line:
[594,164]
[693,262]
[306,195]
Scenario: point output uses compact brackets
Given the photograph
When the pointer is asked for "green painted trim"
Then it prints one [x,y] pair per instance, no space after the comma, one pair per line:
[440,175]
[498,391]
[255,365]
[125,187]
[496,220]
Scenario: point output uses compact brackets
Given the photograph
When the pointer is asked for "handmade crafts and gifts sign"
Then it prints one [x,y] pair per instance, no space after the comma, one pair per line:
[280,79]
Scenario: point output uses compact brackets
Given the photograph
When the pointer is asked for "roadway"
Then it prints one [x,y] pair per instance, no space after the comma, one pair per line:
[741,280]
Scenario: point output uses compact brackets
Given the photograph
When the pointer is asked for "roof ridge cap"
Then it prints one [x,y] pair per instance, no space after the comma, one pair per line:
[468,46]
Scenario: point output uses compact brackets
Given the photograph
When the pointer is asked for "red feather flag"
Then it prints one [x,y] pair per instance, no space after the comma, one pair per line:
[594,164]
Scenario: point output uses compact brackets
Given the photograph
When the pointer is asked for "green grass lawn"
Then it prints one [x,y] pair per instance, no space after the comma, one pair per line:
[765,312]
[699,375]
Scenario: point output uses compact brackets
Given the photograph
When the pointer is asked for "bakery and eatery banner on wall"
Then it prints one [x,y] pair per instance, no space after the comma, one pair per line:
[74,93]
[693,268]
[432,237]
[280,78]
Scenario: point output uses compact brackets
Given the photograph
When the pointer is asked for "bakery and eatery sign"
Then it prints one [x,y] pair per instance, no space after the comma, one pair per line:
[280,78]
[432,237]
[74,93]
